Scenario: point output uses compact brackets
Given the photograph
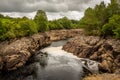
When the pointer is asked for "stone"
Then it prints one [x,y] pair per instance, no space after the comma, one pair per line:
[105,51]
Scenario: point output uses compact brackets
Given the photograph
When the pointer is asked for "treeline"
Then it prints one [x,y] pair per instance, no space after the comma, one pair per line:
[16,27]
[102,20]
[19,27]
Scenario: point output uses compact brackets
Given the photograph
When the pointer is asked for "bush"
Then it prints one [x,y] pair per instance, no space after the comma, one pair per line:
[112,27]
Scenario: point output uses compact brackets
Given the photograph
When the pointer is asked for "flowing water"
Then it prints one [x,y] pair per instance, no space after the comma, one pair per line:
[53,64]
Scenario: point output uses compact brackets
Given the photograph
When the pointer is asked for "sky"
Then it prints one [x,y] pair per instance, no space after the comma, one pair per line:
[73,9]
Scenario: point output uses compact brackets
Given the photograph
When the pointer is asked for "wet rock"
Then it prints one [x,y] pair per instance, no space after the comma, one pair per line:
[90,65]
[42,58]
[106,51]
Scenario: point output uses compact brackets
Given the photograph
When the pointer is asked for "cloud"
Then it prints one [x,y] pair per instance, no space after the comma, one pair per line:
[54,8]
[70,14]
[19,14]
[47,5]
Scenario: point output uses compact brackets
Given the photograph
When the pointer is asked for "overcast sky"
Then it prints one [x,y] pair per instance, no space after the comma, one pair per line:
[73,9]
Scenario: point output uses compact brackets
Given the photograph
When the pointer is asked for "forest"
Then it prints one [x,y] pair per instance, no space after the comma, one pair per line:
[102,20]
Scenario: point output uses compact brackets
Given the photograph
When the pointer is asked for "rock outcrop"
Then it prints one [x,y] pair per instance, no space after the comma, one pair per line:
[15,53]
[105,51]
[63,34]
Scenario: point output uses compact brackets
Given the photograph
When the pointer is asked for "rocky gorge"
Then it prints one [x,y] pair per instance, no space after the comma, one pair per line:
[16,52]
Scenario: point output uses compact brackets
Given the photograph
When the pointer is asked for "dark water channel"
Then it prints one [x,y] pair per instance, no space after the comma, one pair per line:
[53,64]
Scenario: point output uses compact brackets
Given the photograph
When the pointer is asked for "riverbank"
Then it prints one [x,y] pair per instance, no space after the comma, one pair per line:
[14,53]
[105,51]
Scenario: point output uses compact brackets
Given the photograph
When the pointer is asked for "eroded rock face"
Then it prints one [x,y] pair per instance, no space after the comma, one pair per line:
[105,51]
[15,53]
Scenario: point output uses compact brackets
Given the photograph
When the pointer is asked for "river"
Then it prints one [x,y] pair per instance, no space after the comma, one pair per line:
[53,63]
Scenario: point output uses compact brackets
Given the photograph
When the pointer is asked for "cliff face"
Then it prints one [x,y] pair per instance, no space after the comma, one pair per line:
[15,53]
[105,51]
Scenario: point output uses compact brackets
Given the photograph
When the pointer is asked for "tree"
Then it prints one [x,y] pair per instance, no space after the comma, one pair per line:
[27,27]
[113,8]
[41,21]
[16,27]
[7,29]
[65,22]
[89,21]
[2,31]
[94,19]
[112,27]
[55,24]
[98,20]
[1,16]
[75,24]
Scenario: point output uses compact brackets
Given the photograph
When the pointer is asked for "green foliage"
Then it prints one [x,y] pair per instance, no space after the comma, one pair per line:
[75,24]
[28,27]
[12,28]
[113,8]
[102,20]
[2,31]
[1,16]
[112,27]
[94,19]
[65,22]
[19,27]
[6,29]
[117,32]
[41,21]
[55,24]
[107,29]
